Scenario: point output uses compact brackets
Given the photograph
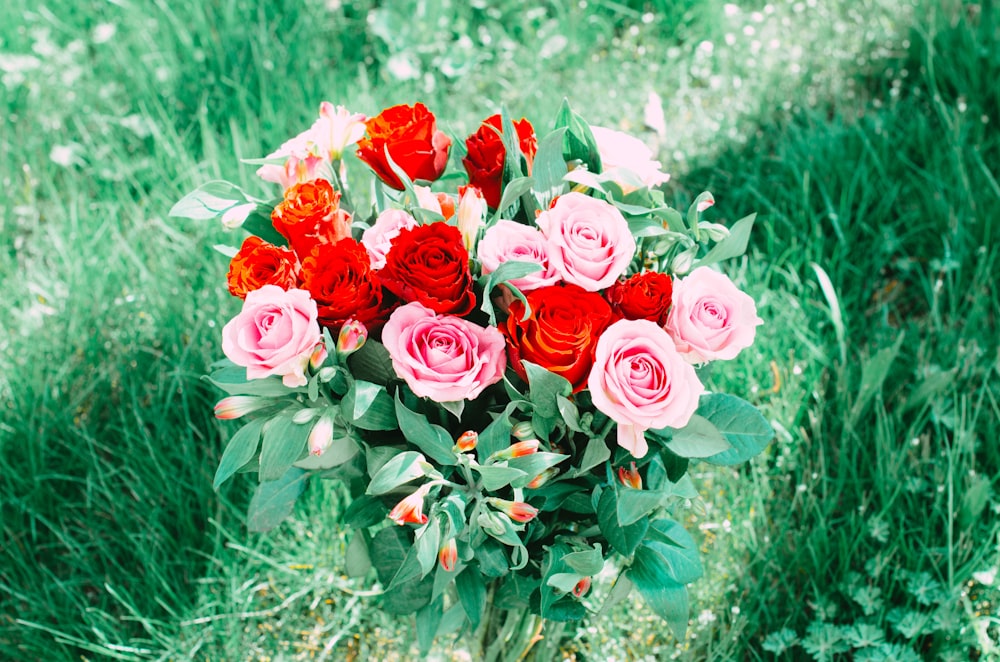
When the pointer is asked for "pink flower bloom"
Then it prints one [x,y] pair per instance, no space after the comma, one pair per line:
[302,162]
[411,509]
[274,334]
[448,555]
[509,241]
[237,406]
[336,130]
[710,317]
[627,159]
[442,357]
[429,200]
[516,510]
[377,239]
[471,211]
[640,381]
[351,338]
[590,244]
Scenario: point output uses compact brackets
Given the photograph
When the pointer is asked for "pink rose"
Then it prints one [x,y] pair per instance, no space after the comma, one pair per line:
[378,238]
[508,241]
[627,159]
[442,357]
[640,381]
[589,241]
[274,334]
[710,317]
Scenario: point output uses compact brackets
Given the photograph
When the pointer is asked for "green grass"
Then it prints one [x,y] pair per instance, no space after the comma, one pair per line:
[866,136]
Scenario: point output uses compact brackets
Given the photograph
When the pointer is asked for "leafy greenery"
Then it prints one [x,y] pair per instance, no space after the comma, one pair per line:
[866,138]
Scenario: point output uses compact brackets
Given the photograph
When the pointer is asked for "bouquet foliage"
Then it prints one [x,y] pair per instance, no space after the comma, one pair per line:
[501,365]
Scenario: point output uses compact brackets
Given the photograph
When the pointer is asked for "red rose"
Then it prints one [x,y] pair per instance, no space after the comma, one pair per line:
[259,263]
[561,332]
[429,264]
[410,135]
[644,296]
[309,215]
[340,279]
[484,162]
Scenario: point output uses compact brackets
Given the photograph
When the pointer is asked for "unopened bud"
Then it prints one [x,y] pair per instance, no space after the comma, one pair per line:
[523,431]
[582,587]
[321,435]
[237,406]
[318,357]
[520,449]
[448,555]
[235,216]
[516,510]
[352,337]
[542,478]
[467,441]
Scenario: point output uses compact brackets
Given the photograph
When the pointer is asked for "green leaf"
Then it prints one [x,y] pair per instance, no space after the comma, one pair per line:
[597,452]
[699,438]
[544,387]
[676,548]
[586,562]
[258,222]
[239,451]
[634,504]
[732,246]
[873,375]
[497,476]
[496,436]
[549,167]
[552,564]
[431,439]
[274,500]
[621,590]
[745,428]
[389,551]
[284,443]
[428,621]
[233,380]
[664,596]
[342,449]
[624,539]
[400,469]
[492,558]
[532,465]
[210,200]
[372,363]
[569,413]
[427,544]
[367,406]
[472,594]
[357,561]
[364,511]
[578,141]
[692,216]
[514,189]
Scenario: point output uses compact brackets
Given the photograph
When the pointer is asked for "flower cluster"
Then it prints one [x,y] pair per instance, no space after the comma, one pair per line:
[501,362]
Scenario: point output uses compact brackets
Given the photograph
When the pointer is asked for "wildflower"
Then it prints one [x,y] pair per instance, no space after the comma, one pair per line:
[411,509]
[516,510]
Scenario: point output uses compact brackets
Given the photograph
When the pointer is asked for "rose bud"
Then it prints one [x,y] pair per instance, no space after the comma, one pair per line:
[467,441]
[237,406]
[351,338]
[516,510]
[520,449]
[582,587]
[630,477]
[448,555]
[321,435]
[411,509]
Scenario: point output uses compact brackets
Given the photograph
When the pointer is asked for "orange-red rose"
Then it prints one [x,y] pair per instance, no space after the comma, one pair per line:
[310,215]
[485,159]
[561,332]
[410,135]
[340,279]
[644,296]
[259,263]
[429,264]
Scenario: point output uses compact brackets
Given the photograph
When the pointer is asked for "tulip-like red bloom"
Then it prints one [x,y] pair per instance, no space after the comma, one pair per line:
[485,159]
[448,555]
[467,441]
[630,477]
[411,509]
[560,334]
[309,215]
[259,263]
[340,279]
[582,587]
[429,264]
[644,296]
[318,357]
[520,449]
[410,136]
[516,510]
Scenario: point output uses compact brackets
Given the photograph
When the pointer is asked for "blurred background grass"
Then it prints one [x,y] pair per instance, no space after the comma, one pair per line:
[864,132]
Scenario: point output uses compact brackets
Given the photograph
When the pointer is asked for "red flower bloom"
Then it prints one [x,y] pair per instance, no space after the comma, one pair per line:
[644,296]
[516,510]
[309,215]
[485,160]
[340,279]
[411,509]
[259,263]
[561,332]
[429,264]
[411,137]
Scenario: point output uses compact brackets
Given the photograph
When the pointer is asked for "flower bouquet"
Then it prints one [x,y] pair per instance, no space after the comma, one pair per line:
[500,366]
